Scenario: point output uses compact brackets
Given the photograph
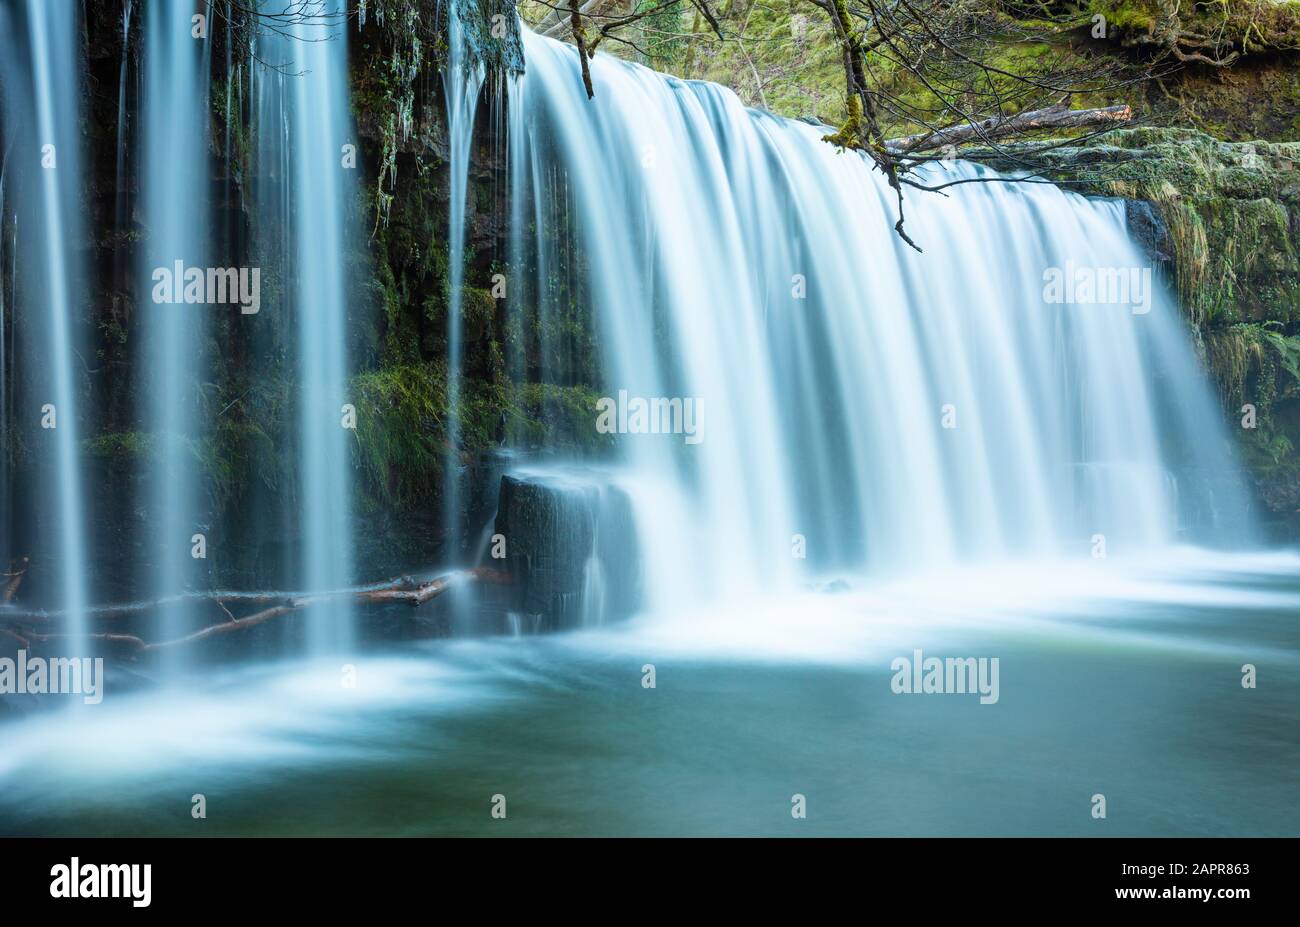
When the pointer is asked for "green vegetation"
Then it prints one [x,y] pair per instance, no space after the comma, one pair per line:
[400,437]
[124,446]
[1258,368]
[1246,26]
[232,456]
[402,443]
[1232,210]
[782,55]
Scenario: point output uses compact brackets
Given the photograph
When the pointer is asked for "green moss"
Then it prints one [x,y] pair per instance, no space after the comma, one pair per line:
[1231,209]
[1258,367]
[849,134]
[236,454]
[563,416]
[402,440]
[226,105]
[123,446]
[1126,14]
[400,431]
[226,457]
[785,56]
[1234,258]
[1247,26]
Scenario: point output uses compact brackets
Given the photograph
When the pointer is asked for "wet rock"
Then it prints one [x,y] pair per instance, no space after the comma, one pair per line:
[571,548]
[1151,233]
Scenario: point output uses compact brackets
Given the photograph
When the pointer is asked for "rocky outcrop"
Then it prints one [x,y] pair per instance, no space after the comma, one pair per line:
[571,548]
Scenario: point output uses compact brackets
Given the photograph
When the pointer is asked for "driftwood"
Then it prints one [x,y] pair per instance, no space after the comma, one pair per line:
[1053,117]
[404,590]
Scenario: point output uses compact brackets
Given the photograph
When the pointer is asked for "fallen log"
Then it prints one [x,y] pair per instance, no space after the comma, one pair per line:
[1053,117]
[402,590]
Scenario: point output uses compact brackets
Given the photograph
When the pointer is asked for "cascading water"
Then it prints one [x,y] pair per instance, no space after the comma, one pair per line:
[41,76]
[175,203]
[539,275]
[305,128]
[6,480]
[856,401]
[463,79]
[120,212]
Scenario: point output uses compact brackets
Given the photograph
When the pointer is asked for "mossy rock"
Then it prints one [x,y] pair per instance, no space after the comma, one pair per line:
[403,438]
[1257,369]
[1232,211]
[124,447]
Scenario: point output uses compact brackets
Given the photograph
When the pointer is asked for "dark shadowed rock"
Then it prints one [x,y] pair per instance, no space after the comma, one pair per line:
[1150,232]
[571,548]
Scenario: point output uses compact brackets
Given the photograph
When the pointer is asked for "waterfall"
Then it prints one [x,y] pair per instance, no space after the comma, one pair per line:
[6,484]
[175,204]
[120,211]
[304,136]
[538,200]
[462,79]
[859,405]
[42,83]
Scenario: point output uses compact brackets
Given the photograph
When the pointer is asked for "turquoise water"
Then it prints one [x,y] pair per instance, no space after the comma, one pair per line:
[1119,681]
